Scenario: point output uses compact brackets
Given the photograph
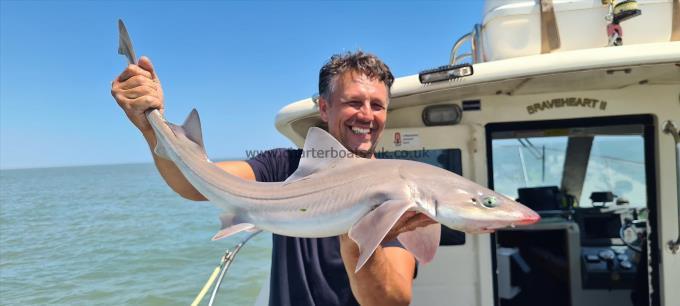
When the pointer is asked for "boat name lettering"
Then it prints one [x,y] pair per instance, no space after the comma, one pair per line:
[567,102]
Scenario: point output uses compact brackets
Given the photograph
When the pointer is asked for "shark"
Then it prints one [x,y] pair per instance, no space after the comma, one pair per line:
[334,192]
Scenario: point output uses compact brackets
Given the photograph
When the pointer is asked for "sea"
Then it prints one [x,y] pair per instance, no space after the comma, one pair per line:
[114,235]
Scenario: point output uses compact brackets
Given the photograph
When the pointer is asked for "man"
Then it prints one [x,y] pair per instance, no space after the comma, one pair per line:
[354,96]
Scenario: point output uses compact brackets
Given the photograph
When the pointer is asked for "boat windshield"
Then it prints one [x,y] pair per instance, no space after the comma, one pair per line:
[603,162]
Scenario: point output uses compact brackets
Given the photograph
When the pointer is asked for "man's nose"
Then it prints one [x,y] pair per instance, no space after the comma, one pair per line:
[365,112]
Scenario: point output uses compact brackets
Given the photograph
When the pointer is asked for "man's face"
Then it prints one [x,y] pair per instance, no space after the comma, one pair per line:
[356,111]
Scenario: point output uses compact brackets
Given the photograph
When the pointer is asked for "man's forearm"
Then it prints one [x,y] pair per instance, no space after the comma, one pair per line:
[171,174]
[378,282]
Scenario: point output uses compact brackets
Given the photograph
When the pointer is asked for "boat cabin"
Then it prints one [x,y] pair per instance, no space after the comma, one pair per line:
[573,108]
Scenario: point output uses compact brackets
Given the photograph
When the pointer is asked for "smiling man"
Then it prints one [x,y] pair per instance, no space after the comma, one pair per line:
[354,104]
[354,93]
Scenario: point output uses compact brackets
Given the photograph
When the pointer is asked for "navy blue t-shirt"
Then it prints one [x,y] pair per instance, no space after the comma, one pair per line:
[304,271]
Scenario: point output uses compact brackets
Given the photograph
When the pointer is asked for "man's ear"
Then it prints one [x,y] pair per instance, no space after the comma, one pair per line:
[323,109]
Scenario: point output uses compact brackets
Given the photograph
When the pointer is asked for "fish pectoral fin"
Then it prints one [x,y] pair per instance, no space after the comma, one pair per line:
[226,232]
[371,229]
[232,224]
[422,242]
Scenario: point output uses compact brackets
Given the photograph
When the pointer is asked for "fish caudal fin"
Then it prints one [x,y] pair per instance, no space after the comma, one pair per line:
[371,229]
[422,242]
[232,224]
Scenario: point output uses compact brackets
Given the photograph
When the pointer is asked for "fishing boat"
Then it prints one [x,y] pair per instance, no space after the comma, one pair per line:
[572,107]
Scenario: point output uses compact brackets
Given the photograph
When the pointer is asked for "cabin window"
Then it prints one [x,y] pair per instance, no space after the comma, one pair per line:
[616,163]
[527,162]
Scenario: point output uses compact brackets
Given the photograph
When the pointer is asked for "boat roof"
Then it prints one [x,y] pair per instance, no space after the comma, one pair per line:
[586,69]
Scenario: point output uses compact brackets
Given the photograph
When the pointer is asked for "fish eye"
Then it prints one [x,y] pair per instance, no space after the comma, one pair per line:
[489,202]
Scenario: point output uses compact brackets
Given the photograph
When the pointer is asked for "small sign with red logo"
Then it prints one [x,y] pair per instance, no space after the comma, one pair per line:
[397,139]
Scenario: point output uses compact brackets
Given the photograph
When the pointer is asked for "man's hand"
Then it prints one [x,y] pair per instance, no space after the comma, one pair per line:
[409,221]
[387,277]
[136,90]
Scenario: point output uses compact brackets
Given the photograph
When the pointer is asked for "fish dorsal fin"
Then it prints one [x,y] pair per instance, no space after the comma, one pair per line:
[321,151]
[192,128]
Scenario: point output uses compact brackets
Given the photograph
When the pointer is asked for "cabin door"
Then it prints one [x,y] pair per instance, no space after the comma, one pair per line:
[594,183]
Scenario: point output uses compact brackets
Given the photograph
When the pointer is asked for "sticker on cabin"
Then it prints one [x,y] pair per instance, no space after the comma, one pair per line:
[397,139]
[406,139]
[594,104]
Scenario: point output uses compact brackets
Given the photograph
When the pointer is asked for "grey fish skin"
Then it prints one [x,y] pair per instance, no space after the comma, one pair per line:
[329,196]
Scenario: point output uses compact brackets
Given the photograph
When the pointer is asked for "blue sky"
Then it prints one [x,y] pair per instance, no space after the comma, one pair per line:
[238,63]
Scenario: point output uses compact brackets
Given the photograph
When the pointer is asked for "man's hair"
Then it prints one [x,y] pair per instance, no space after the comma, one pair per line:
[358,61]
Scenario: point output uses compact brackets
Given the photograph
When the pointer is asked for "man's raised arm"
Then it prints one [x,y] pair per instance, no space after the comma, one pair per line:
[138,89]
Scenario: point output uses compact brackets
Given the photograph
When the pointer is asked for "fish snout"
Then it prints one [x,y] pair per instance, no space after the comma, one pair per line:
[530,217]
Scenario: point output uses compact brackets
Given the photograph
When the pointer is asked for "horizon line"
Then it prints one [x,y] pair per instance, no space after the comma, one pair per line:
[102,164]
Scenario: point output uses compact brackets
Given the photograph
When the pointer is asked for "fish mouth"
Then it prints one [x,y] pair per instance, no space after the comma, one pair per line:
[527,220]
[486,230]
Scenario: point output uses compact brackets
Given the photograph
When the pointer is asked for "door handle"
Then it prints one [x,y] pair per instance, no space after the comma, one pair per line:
[672,129]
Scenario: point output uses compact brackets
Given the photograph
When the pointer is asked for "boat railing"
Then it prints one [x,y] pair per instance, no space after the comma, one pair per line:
[475,54]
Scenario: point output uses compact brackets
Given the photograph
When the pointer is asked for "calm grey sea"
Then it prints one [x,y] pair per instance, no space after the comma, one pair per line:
[112,235]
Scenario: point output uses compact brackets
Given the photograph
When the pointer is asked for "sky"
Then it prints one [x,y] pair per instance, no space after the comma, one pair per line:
[237,63]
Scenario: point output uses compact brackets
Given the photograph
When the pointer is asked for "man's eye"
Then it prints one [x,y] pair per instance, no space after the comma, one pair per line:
[378,107]
[355,104]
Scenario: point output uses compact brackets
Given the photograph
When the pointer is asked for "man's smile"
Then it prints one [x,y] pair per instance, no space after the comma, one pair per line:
[358,130]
